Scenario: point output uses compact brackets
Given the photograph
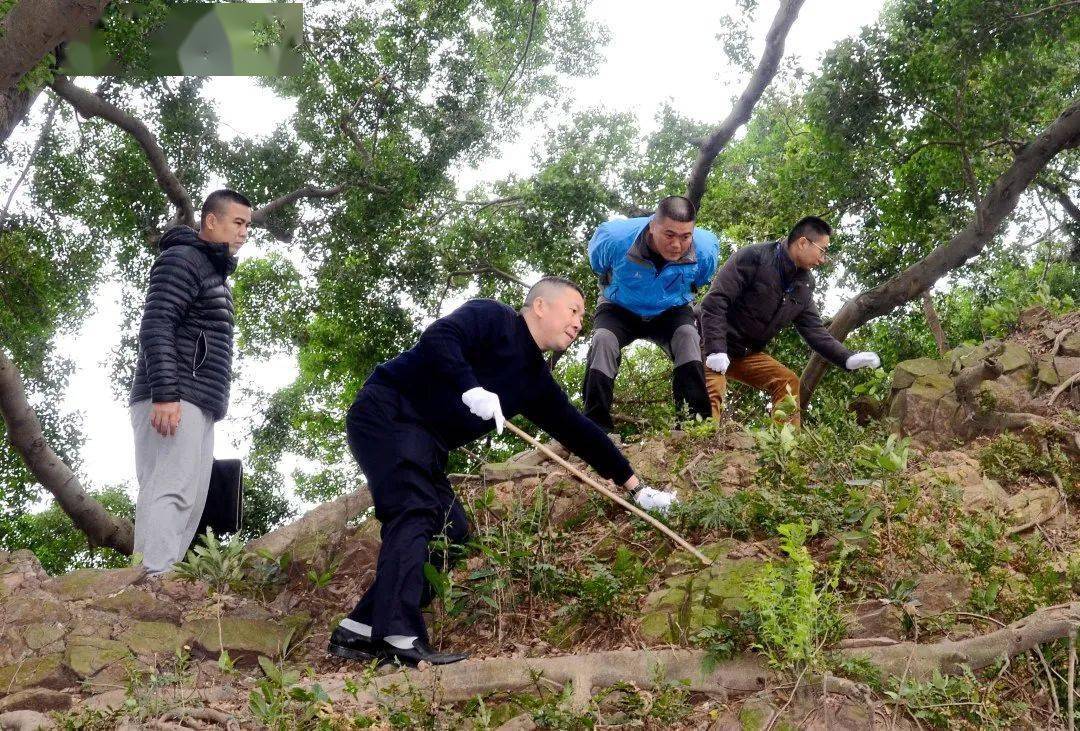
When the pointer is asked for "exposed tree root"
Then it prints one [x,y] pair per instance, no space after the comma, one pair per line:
[741,675]
[328,519]
[1064,387]
[1059,340]
[587,672]
[966,385]
[1045,625]
[1045,518]
[201,714]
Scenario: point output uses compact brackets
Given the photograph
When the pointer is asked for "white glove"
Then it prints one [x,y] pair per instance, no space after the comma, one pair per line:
[865,359]
[649,498]
[718,362]
[485,404]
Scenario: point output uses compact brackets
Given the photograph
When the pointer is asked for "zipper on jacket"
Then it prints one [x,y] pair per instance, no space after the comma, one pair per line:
[206,350]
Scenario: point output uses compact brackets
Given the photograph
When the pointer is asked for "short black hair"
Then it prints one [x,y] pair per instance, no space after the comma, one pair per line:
[545,286]
[677,208]
[809,225]
[215,202]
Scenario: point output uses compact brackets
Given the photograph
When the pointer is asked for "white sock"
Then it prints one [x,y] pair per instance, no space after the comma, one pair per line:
[364,630]
[401,642]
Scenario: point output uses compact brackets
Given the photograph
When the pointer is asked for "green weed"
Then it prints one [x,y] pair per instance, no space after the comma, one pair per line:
[793,618]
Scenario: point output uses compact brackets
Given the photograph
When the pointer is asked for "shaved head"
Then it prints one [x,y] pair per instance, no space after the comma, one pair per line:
[547,288]
[553,311]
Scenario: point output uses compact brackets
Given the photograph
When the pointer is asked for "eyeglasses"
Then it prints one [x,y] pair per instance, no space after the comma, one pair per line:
[824,252]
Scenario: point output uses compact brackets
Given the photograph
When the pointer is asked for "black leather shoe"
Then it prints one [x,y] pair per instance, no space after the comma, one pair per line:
[352,646]
[419,652]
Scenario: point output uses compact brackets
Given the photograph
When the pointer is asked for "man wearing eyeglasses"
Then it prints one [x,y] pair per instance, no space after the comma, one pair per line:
[759,291]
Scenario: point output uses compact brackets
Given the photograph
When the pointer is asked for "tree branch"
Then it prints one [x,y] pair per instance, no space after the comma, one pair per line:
[91,105]
[31,29]
[525,54]
[53,105]
[906,157]
[24,434]
[481,206]
[1047,9]
[486,269]
[740,113]
[487,204]
[259,215]
[992,210]
[1063,198]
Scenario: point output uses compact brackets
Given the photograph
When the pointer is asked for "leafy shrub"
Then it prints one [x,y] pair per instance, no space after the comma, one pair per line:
[1001,317]
[793,619]
[280,702]
[1009,457]
[221,565]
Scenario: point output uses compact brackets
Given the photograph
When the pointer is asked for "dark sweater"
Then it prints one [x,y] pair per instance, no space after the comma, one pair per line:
[485,343]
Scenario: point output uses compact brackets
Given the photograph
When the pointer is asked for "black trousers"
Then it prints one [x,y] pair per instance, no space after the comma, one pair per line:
[675,330]
[405,469]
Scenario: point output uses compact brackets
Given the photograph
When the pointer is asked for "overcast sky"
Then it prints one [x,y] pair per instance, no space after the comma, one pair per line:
[657,52]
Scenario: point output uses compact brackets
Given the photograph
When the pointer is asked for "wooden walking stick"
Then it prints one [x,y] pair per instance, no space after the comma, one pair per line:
[682,542]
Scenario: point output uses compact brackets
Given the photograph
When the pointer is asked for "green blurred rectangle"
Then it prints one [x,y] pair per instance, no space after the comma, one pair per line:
[205,39]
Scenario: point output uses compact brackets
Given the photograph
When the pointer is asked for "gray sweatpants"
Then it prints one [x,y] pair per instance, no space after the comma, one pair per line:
[174,475]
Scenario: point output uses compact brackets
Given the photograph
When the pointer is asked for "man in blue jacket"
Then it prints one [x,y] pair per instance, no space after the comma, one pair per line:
[469,371]
[649,270]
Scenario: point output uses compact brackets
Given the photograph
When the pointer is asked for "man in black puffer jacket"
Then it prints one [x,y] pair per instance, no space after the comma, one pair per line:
[181,384]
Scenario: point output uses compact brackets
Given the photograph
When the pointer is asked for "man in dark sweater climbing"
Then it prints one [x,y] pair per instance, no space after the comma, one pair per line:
[759,291]
[181,385]
[468,372]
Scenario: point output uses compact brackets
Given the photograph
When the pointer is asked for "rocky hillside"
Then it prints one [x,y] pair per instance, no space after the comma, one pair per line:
[923,577]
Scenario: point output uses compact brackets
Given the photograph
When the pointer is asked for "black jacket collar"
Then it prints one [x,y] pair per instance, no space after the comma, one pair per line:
[218,254]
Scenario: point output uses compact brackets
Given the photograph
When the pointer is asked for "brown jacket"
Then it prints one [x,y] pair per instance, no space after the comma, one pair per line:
[747,305]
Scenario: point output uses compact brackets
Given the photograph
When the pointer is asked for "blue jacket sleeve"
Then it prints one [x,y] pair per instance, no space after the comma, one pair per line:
[448,342]
[707,255]
[600,251]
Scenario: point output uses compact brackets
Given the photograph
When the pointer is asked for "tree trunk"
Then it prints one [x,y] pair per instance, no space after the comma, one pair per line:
[321,526]
[31,30]
[24,434]
[1074,215]
[935,323]
[14,105]
[993,209]
[740,113]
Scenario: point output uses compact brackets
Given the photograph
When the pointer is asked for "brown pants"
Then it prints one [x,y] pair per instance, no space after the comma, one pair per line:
[759,371]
